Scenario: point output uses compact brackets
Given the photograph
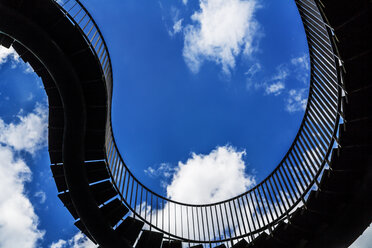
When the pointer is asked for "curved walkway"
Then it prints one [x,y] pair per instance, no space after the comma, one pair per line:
[318,196]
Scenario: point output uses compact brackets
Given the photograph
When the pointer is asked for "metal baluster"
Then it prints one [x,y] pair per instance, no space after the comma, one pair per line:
[241,215]
[289,182]
[162,213]
[188,225]
[295,169]
[126,193]
[193,222]
[218,224]
[202,219]
[157,210]
[300,163]
[131,193]
[237,218]
[276,198]
[223,224]
[263,204]
[246,216]
[255,212]
[280,195]
[123,185]
[228,224]
[207,224]
[150,210]
[136,196]
[273,204]
[141,201]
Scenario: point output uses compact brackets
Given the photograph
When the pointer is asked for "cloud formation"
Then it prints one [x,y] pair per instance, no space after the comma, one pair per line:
[221,30]
[206,178]
[77,241]
[29,134]
[18,220]
[41,195]
[297,68]
[302,67]
[296,100]
[275,88]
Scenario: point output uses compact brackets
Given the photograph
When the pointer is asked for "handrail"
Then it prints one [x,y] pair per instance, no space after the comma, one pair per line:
[272,200]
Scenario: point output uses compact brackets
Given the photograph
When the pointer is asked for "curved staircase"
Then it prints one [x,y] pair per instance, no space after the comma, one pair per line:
[319,196]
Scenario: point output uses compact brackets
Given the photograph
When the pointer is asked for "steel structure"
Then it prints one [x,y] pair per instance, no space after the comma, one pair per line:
[114,209]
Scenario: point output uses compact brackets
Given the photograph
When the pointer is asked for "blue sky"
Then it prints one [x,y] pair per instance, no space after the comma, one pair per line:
[199,86]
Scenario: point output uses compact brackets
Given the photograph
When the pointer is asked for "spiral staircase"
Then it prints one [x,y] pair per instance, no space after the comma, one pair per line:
[318,196]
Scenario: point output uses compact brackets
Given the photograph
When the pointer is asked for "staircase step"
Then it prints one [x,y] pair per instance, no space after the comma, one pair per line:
[197,246]
[359,105]
[96,171]
[324,203]
[67,202]
[305,220]
[351,158]
[59,177]
[354,36]
[341,11]
[150,239]
[172,244]
[339,181]
[103,191]
[356,133]
[130,229]
[288,234]
[357,76]
[221,246]
[114,211]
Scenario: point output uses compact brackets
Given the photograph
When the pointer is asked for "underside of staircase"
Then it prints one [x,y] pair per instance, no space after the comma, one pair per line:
[335,213]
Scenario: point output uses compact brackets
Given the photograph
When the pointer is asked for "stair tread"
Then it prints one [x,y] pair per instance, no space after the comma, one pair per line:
[130,228]
[150,239]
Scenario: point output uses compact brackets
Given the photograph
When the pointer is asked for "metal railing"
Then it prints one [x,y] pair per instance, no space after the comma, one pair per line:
[272,200]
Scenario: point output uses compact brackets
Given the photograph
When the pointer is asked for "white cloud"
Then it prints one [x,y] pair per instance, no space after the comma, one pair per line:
[251,73]
[365,240]
[301,67]
[275,88]
[296,100]
[177,27]
[221,30]
[59,244]
[275,84]
[216,176]
[282,72]
[41,194]
[302,62]
[79,240]
[29,134]
[8,54]
[18,221]
[184,2]
[164,170]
